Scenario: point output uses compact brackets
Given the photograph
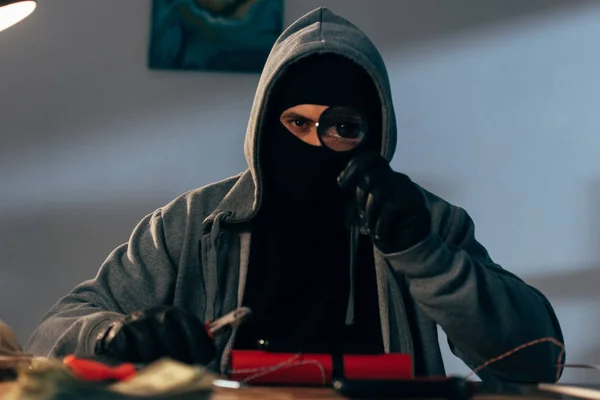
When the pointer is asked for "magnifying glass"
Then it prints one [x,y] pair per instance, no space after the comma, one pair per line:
[342,129]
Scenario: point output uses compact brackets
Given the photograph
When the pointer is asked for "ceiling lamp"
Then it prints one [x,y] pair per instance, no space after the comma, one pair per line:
[13,11]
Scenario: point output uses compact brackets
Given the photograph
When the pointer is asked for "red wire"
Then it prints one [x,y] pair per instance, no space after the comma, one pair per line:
[521,347]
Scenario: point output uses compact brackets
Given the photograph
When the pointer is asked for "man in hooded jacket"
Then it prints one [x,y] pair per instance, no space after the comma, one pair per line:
[275,238]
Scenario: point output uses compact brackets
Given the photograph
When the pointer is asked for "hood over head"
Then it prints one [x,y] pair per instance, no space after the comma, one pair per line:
[318,33]
[302,175]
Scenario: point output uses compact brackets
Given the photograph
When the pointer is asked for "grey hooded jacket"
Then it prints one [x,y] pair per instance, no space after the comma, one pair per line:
[193,253]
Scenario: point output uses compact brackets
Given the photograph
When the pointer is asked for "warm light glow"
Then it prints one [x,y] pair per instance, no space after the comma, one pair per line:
[13,13]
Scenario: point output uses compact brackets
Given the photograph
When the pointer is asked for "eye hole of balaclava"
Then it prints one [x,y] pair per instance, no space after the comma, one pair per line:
[302,174]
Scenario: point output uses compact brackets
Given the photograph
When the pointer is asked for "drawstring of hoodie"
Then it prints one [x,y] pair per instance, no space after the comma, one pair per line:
[354,238]
[211,269]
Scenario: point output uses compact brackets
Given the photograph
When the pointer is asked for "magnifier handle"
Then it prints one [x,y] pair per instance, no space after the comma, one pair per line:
[449,388]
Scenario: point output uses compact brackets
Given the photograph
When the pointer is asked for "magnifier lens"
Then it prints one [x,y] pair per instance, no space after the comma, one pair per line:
[342,128]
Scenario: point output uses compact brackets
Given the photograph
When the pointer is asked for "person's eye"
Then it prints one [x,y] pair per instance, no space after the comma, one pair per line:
[348,130]
[299,123]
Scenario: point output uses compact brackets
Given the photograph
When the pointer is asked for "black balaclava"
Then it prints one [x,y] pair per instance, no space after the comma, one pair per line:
[298,282]
[297,172]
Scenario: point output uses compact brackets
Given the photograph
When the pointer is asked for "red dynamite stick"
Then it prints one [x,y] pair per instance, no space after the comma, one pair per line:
[382,367]
[260,367]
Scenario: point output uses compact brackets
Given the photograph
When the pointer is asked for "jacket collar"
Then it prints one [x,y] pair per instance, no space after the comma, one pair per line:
[240,204]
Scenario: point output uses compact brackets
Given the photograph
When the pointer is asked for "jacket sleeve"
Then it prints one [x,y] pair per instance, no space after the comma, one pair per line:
[137,275]
[484,310]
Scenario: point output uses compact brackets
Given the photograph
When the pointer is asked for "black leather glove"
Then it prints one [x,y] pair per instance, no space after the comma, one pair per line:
[390,205]
[145,336]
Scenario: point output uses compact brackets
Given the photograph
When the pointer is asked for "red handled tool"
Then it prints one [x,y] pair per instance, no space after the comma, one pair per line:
[93,370]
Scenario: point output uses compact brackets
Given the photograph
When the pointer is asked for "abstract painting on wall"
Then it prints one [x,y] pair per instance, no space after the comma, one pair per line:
[213,35]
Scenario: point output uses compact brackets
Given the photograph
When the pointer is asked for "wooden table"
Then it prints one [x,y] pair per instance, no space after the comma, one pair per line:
[328,394]
[250,393]
[268,393]
[4,387]
[297,393]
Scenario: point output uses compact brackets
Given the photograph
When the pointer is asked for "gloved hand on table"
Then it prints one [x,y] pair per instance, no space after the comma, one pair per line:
[145,336]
